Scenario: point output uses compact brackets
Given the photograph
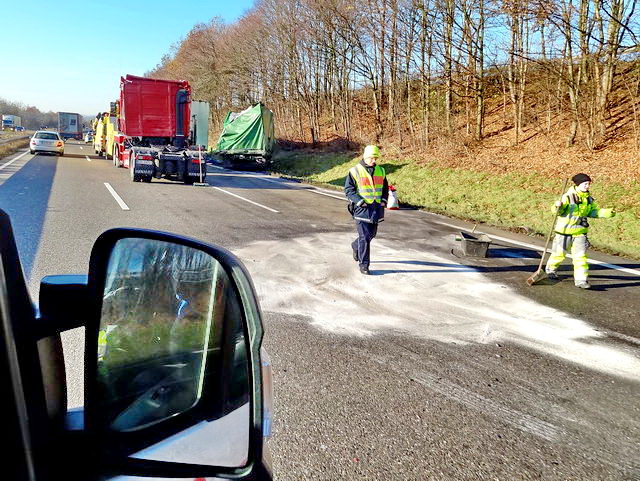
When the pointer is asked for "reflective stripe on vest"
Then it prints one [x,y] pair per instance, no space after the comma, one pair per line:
[369,187]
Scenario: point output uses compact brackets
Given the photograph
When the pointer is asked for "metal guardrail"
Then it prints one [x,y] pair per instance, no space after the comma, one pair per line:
[11,139]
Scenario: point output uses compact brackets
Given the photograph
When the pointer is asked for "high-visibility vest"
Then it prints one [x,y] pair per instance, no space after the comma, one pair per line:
[572,216]
[102,344]
[369,187]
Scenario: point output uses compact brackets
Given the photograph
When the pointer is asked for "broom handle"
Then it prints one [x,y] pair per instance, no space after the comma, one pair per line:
[555,217]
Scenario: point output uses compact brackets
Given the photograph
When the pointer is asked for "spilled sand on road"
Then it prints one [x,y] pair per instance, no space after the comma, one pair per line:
[418,293]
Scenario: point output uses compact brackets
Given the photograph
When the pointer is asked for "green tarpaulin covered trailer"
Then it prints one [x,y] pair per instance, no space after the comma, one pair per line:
[248,135]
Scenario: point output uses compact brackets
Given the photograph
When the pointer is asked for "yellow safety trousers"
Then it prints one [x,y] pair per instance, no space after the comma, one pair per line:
[578,245]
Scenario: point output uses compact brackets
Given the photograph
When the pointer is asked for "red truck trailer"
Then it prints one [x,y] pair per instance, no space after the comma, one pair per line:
[153,131]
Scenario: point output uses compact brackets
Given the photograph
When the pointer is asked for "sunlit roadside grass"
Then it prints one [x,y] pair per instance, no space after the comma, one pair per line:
[511,201]
[13,146]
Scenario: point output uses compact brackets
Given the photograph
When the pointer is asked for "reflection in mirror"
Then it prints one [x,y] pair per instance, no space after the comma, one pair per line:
[171,342]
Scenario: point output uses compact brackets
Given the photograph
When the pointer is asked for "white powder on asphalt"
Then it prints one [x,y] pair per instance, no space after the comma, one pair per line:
[419,293]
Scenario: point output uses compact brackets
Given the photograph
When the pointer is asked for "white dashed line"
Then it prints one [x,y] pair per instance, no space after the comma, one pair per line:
[115,195]
[246,200]
[87,157]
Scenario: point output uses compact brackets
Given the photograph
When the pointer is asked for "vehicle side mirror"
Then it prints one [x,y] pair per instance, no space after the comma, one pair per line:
[173,384]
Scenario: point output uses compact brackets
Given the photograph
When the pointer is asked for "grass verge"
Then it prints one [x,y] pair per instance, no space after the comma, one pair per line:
[511,201]
[13,146]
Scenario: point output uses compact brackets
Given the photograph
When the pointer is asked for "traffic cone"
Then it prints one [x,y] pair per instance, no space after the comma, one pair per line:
[393,203]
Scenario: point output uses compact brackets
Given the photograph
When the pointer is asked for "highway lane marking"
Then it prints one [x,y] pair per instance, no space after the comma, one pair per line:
[314,191]
[284,183]
[115,195]
[12,161]
[634,272]
[246,200]
[87,157]
[626,270]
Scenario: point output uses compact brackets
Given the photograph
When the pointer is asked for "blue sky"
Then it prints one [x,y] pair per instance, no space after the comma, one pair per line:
[69,55]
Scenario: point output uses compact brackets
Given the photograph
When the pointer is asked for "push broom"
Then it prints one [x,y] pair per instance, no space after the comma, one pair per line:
[540,274]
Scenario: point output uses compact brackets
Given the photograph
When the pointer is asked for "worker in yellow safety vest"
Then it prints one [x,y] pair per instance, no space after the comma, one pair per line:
[572,226]
[367,189]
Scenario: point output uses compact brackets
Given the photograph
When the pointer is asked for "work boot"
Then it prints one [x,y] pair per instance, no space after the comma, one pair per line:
[355,255]
[583,285]
[552,276]
[364,270]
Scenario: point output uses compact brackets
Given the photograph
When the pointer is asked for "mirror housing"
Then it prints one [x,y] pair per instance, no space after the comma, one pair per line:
[252,333]
[63,304]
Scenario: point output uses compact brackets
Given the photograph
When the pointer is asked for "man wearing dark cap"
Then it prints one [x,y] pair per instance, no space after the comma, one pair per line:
[367,189]
[571,229]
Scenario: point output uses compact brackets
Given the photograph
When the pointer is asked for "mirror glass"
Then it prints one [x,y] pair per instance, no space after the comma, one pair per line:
[172,357]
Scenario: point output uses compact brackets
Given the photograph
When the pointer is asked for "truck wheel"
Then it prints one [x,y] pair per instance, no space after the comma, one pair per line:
[189,180]
[147,179]
[134,176]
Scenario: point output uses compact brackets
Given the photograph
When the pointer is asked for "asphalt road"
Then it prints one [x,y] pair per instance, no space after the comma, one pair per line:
[435,367]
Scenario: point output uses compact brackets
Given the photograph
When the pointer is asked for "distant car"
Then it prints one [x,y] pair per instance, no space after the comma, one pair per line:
[88,137]
[44,141]
[20,129]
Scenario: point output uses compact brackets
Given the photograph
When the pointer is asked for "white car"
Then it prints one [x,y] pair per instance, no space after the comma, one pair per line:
[46,141]
[88,137]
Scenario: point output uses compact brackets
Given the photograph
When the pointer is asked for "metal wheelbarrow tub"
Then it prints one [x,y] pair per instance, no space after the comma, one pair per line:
[474,245]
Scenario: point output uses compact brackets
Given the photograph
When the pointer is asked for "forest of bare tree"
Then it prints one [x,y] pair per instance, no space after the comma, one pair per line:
[32,117]
[411,72]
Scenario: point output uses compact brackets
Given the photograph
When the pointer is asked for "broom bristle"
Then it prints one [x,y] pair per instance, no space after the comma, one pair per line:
[536,277]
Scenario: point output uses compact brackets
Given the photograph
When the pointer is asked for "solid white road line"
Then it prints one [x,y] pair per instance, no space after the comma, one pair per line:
[246,200]
[285,183]
[87,157]
[315,191]
[634,272]
[13,160]
[116,196]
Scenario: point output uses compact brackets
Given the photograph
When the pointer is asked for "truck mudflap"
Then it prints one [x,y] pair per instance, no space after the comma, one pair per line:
[194,169]
[143,164]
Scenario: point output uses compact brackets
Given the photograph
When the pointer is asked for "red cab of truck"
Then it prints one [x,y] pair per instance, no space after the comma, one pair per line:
[154,108]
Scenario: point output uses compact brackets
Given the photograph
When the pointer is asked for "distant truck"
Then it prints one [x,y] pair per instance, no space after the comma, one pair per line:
[11,122]
[153,130]
[248,138]
[70,125]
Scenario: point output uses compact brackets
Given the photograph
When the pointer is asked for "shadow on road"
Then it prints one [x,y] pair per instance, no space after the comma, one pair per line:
[25,197]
